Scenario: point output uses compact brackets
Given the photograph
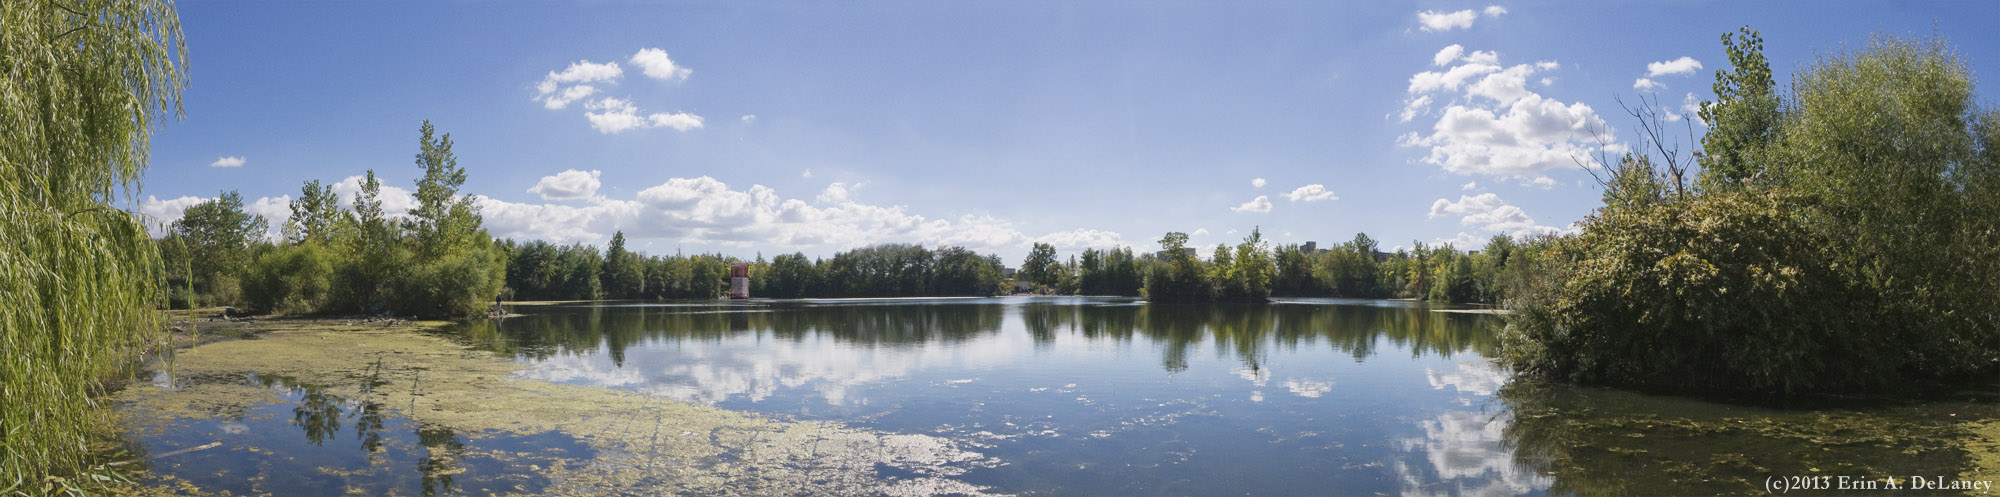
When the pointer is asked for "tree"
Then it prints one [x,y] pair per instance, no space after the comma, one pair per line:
[442,221]
[85,84]
[315,214]
[623,278]
[1040,267]
[1179,277]
[1744,115]
[218,234]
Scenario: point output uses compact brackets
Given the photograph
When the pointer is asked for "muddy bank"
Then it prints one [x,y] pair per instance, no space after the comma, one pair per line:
[637,444]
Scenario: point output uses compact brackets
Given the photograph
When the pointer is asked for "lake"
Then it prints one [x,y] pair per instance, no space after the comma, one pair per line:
[1108,396]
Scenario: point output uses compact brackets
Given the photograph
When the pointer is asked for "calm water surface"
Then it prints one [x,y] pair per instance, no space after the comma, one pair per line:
[1085,396]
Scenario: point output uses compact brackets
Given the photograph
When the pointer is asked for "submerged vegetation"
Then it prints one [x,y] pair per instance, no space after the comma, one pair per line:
[1841,237]
[80,278]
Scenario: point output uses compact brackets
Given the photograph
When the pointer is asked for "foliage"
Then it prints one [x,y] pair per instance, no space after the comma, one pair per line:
[1849,246]
[1040,268]
[79,279]
[1743,118]
[295,279]
[1180,277]
[211,243]
[1109,272]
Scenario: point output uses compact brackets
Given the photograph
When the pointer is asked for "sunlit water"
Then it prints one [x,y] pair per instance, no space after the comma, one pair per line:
[1084,396]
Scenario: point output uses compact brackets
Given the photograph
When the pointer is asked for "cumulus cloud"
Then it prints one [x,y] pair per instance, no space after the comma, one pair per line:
[1260,204]
[1647,84]
[749,118]
[807,174]
[396,201]
[1470,185]
[567,185]
[1447,55]
[161,214]
[1497,126]
[655,64]
[558,89]
[612,116]
[1310,193]
[707,210]
[1683,65]
[1437,21]
[1446,21]
[1257,182]
[1488,212]
[236,161]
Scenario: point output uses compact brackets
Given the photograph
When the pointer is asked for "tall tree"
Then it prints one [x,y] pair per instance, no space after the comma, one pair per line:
[623,278]
[314,214]
[442,221]
[1744,115]
[85,83]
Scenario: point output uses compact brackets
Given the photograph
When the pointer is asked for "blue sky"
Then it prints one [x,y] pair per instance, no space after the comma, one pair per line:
[816,127]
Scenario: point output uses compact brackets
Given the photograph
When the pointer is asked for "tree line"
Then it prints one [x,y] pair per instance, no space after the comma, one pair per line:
[1253,271]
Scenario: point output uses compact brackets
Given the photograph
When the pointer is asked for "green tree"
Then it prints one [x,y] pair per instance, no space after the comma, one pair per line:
[1040,267]
[1743,118]
[85,84]
[1179,277]
[623,278]
[315,214]
[442,221]
[218,235]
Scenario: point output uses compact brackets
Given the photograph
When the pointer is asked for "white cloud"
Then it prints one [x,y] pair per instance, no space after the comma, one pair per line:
[1446,21]
[706,210]
[1447,55]
[162,214]
[1415,106]
[1544,181]
[562,98]
[1310,193]
[236,161]
[558,89]
[1451,79]
[808,174]
[568,185]
[1260,204]
[1508,130]
[655,63]
[749,118]
[1692,107]
[1258,183]
[396,201]
[1199,232]
[1482,57]
[1488,212]
[1647,84]
[1470,185]
[1683,65]
[612,116]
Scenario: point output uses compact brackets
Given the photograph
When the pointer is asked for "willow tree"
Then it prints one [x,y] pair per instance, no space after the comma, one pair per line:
[85,83]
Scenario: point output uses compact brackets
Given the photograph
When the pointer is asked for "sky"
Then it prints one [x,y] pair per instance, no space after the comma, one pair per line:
[751,128]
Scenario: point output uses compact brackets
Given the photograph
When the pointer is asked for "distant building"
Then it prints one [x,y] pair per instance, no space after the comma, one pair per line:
[1381,256]
[1310,248]
[1164,255]
[739,281]
[1007,272]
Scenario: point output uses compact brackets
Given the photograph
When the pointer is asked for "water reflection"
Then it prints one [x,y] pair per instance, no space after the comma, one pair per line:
[1246,330]
[1101,396]
[314,442]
